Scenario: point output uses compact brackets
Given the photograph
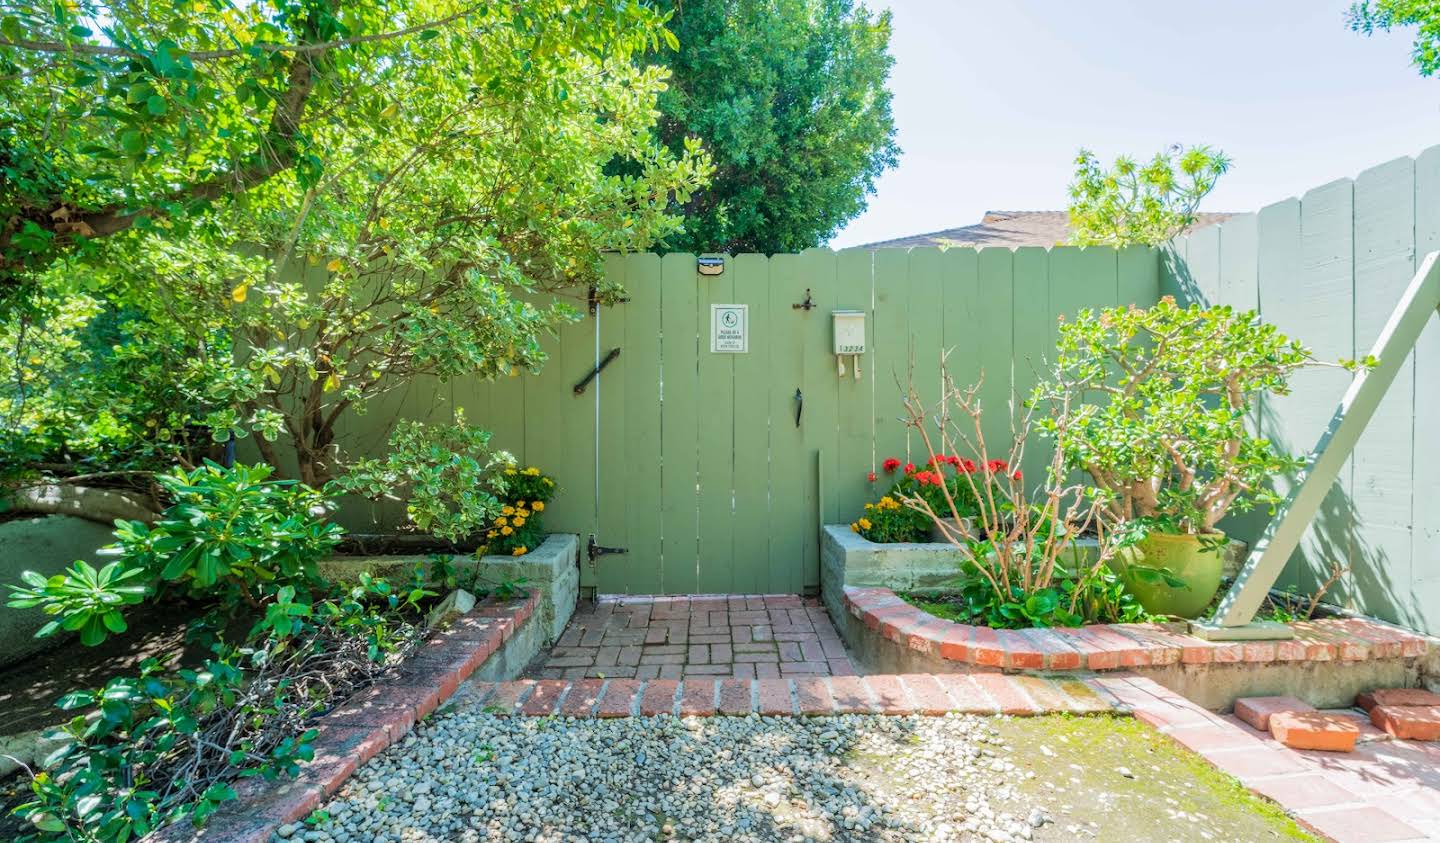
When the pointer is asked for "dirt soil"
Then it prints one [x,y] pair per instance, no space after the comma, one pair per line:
[28,690]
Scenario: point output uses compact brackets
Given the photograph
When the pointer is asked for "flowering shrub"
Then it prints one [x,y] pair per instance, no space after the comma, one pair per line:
[517,529]
[963,479]
[1017,566]
[887,520]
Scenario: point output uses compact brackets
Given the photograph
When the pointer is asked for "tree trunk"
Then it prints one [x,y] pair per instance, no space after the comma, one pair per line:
[104,506]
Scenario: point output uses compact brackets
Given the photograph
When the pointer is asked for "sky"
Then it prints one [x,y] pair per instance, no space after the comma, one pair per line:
[993,99]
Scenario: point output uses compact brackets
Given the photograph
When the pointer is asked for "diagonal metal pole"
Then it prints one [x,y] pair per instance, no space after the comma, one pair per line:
[1271,552]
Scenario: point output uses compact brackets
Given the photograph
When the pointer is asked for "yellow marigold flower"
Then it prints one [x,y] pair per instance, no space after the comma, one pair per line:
[510,471]
[538,506]
[507,510]
[854,527]
[523,513]
[519,522]
[549,482]
[520,551]
[533,471]
[864,523]
[505,531]
[869,507]
[490,534]
[502,521]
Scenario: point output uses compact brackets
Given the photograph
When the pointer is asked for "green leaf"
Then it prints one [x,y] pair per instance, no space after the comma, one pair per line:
[132,141]
[157,105]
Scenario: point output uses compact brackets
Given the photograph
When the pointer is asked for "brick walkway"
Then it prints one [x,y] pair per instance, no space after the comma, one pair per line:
[735,636]
[1386,791]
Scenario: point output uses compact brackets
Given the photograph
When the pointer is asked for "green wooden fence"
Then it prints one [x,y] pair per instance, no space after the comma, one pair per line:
[1328,268]
[693,461]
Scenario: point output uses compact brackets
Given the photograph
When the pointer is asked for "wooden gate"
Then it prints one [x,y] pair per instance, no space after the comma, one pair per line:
[714,470]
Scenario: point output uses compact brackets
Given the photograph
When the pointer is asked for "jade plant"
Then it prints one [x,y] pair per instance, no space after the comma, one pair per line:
[1164,426]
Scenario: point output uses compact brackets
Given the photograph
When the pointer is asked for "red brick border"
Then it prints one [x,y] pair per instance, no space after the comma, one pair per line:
[359,728]
[811,696]
[1116,646]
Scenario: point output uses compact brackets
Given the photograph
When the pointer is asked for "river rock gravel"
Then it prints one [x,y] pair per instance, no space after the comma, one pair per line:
[469,775]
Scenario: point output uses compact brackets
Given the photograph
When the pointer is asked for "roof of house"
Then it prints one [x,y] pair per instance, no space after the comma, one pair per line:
[1011,229]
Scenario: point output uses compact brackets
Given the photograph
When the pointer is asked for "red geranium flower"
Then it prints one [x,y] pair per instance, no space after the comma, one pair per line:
[1016,475]
[870,477]
[996,465]
[891,464]
[968,466]
[909,468]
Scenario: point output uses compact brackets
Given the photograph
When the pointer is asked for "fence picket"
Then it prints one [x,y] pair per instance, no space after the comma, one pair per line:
[716,438]
[751,451]
[1381,484]
[855,421]
[641,570]
[792,494]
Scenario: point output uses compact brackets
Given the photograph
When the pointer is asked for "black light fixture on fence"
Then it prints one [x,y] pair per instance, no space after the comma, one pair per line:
[710,266]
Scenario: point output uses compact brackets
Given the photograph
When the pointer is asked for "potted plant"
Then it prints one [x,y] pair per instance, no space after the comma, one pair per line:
[1164,431]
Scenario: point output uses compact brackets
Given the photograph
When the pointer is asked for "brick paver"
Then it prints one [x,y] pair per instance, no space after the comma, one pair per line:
[914,693]
[769,636]
[1385,791]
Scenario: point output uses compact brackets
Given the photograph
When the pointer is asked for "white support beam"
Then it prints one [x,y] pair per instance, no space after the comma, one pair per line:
[1271,552]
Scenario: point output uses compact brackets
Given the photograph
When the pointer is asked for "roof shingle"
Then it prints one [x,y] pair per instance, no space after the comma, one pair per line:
[1012,229]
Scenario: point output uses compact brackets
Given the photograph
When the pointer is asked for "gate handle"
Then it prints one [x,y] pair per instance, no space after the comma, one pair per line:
[799,405]
[580,387]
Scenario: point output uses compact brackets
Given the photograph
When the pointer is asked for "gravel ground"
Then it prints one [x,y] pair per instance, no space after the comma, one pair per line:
[470,776]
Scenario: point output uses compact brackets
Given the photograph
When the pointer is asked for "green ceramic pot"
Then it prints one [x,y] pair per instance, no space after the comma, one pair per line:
[1196,560]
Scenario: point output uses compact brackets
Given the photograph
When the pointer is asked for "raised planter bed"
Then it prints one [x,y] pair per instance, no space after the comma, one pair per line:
[1329,660]
[485,643]
[553,568]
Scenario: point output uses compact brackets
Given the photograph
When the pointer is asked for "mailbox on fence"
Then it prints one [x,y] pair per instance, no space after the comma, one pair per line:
[849,328]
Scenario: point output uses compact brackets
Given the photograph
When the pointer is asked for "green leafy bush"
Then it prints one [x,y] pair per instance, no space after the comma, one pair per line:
[87,600]
[1165,430]
[231,536]
[166,745]
[447,475]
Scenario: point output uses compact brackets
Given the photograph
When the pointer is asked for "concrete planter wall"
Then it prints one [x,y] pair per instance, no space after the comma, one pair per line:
[553,568]
[46,545]
[847,558]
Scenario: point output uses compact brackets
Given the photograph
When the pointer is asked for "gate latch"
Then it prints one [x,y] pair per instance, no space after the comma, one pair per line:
[594,550]
[595,372]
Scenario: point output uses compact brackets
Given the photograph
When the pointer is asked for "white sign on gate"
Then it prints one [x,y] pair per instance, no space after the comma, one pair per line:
[730,328]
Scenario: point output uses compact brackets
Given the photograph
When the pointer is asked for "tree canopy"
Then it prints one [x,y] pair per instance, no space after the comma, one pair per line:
[312,205]
[789,98]
[1384,15]
[1141,204]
